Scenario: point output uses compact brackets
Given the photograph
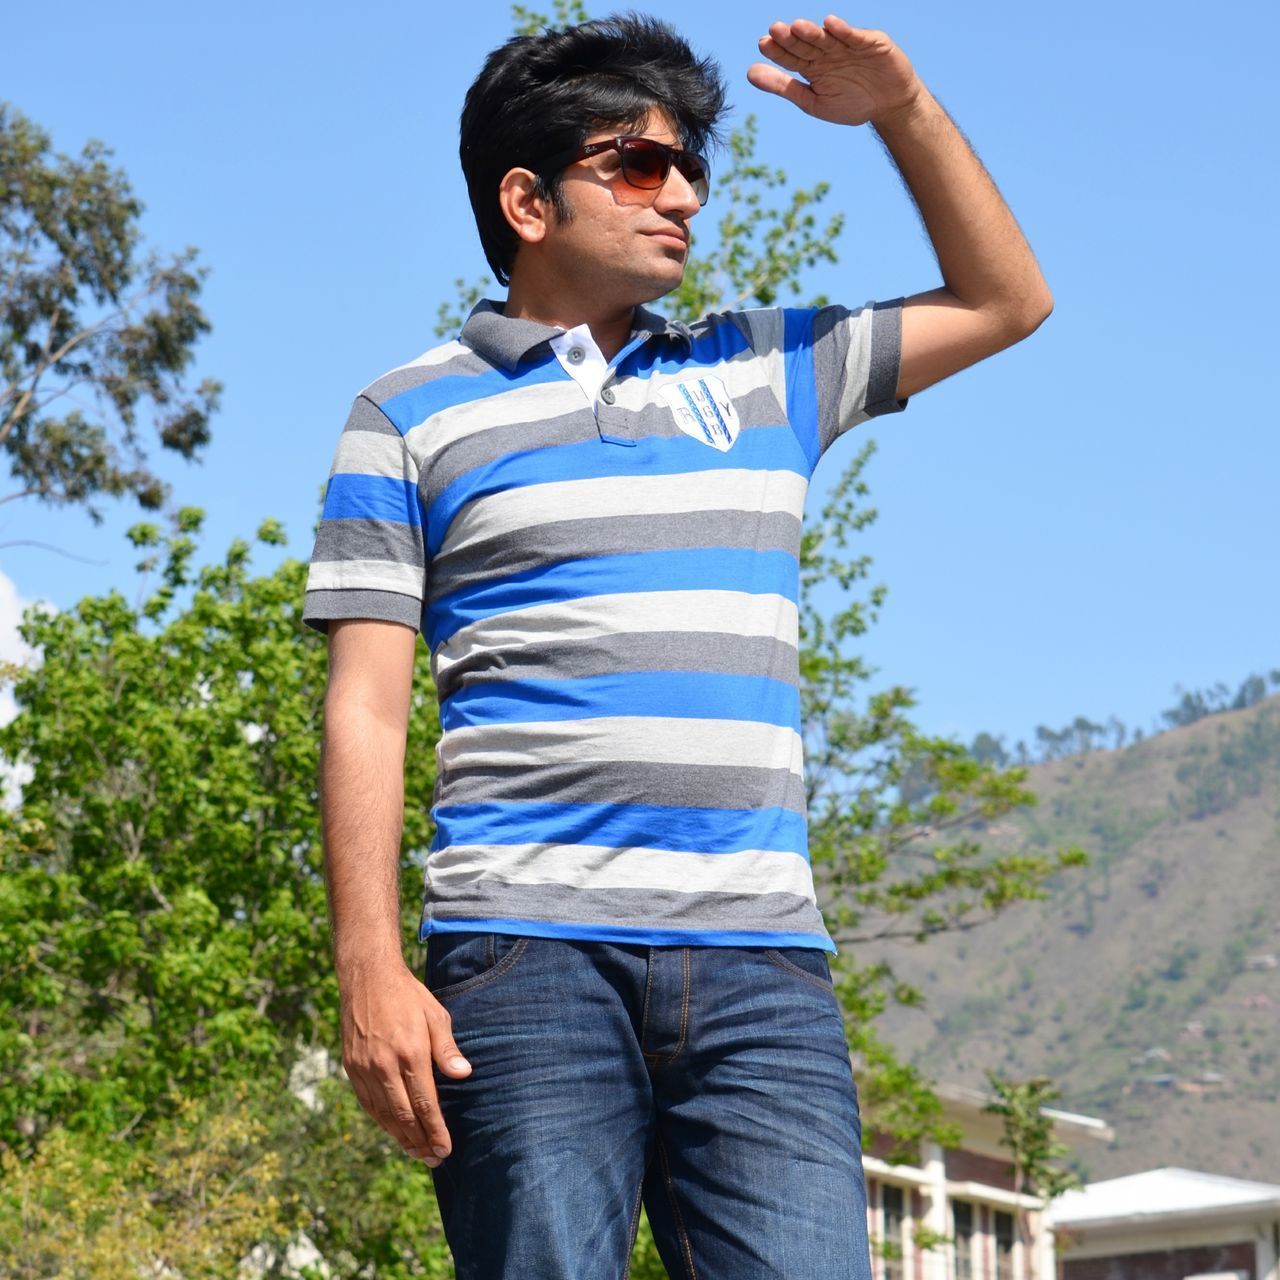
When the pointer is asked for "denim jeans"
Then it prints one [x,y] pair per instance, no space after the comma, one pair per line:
[711,1082]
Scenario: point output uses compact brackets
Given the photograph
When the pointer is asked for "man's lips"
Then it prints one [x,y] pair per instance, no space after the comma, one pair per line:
[670,235]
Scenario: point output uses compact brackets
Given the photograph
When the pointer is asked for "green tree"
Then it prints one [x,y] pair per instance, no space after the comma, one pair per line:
[95,337]
[1028,1134]
[162,918]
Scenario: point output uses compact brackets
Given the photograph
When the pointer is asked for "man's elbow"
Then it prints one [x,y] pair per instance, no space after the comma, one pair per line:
[1020,317]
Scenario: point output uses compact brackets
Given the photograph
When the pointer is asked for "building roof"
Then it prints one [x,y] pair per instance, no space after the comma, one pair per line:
[1163,1194]
[1066,1124]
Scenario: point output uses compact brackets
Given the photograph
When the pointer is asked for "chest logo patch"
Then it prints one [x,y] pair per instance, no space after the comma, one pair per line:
[703,410]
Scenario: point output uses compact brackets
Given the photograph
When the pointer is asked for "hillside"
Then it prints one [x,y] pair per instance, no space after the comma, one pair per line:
[1147,985]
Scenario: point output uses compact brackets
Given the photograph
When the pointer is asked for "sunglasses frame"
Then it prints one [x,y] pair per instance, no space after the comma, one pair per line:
[671,156]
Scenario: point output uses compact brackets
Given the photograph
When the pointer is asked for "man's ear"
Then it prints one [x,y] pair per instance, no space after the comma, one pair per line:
[522,206]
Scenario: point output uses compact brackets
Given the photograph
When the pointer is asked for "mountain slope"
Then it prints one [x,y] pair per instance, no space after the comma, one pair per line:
[1147,984]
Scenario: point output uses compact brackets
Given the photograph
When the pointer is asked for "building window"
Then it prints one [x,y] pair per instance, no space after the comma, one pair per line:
[1004,1245]
[892,1203]
[962,1229]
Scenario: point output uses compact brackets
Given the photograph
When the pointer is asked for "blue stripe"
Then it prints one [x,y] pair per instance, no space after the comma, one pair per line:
[700,695]
[686,569]
[413,407]
[724,341]
[622,933]
[619,826]
[756,449]
[351,496]
[802,389]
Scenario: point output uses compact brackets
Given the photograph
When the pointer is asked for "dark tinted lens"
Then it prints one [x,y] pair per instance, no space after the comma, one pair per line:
[645,163]
[694,170]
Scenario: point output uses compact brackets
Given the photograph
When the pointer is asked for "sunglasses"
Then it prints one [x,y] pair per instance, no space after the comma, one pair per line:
[645,163]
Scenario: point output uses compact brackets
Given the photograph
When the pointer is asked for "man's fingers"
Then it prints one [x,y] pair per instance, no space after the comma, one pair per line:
[400,1118]
[858,39]
[449,1058]
[783,57]
[771,80]
[784,36]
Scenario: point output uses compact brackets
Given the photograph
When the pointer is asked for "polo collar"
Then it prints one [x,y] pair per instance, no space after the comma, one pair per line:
[506,342]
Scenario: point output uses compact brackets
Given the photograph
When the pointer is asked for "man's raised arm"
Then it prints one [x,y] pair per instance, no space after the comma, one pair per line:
[993,293]
[392,1027]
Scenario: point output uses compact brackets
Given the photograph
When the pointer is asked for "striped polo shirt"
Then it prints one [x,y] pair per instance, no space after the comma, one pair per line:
[603,559]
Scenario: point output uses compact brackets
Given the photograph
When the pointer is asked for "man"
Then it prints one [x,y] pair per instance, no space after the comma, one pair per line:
[593,516]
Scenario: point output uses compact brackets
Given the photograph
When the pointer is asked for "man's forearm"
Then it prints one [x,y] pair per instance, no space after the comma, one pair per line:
[985,260]
[362,809]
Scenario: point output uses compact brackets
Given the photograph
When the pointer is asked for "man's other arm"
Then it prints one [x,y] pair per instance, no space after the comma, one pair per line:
[993,293]
[392,1027]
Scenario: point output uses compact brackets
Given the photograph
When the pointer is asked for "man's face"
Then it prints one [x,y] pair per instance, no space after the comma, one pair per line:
[625,244]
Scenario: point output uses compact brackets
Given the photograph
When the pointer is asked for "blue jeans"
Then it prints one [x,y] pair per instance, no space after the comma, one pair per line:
[711,1082]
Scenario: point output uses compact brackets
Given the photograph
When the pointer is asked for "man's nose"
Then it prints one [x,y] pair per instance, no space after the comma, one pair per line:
[677,195]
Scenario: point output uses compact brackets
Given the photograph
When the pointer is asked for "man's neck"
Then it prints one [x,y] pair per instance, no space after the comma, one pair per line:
[610,326]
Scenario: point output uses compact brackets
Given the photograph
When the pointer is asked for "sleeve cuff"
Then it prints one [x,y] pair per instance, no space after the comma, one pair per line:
[319,608]
[886,359]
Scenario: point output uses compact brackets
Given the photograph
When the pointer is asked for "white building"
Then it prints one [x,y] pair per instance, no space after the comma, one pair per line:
[1170,1224]
[966,1194]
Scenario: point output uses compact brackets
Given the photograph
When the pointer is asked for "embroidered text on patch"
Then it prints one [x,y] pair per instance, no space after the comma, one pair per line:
[703,410]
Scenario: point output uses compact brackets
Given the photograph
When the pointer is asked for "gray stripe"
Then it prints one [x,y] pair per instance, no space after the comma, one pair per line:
[830,357]
[318,607]
[364,539]
[480,448]
[627,782]
[366,416]
[399,381]
[712,651]
[758,408]
[505,554]
[630,908]
[886,359]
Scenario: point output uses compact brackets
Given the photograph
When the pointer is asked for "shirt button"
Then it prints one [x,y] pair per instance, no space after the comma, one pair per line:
[575,355]
[608,396]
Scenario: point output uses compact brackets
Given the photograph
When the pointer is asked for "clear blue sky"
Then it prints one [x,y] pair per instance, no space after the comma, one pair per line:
[1075,526]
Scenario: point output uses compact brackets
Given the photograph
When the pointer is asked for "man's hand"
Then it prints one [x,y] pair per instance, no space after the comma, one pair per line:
[392,1026]
[392,1031]
[853,76]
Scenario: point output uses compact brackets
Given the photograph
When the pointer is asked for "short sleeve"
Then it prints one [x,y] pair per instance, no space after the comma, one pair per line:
[856,358]
[832,367]
[369,559]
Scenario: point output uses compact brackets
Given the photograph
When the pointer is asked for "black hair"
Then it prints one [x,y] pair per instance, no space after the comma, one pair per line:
[537,96]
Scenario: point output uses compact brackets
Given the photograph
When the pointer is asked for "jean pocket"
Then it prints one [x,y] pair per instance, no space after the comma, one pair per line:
[458,962]
[804,962]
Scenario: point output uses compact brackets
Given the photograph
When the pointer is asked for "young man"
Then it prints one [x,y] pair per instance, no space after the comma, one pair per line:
[593,517]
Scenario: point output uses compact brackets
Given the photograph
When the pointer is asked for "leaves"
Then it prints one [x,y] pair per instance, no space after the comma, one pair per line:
[92,334]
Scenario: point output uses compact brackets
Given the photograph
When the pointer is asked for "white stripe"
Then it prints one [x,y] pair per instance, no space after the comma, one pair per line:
[857,366]
[588,866]
[436,355]
[365,575]
[529,406]
[369,453]
[599,739]
[548,625]
[736,489]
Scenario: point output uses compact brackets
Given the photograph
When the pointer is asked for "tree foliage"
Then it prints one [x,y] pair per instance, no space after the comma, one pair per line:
[163,940]
[1035,1153]
[95,337]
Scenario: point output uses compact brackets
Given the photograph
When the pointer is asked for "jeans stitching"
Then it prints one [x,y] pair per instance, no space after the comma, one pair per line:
[675,1212]
[505,965]
[776,957]
[684,1009]
[644,1015]
[635,1226]
[666,1059]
